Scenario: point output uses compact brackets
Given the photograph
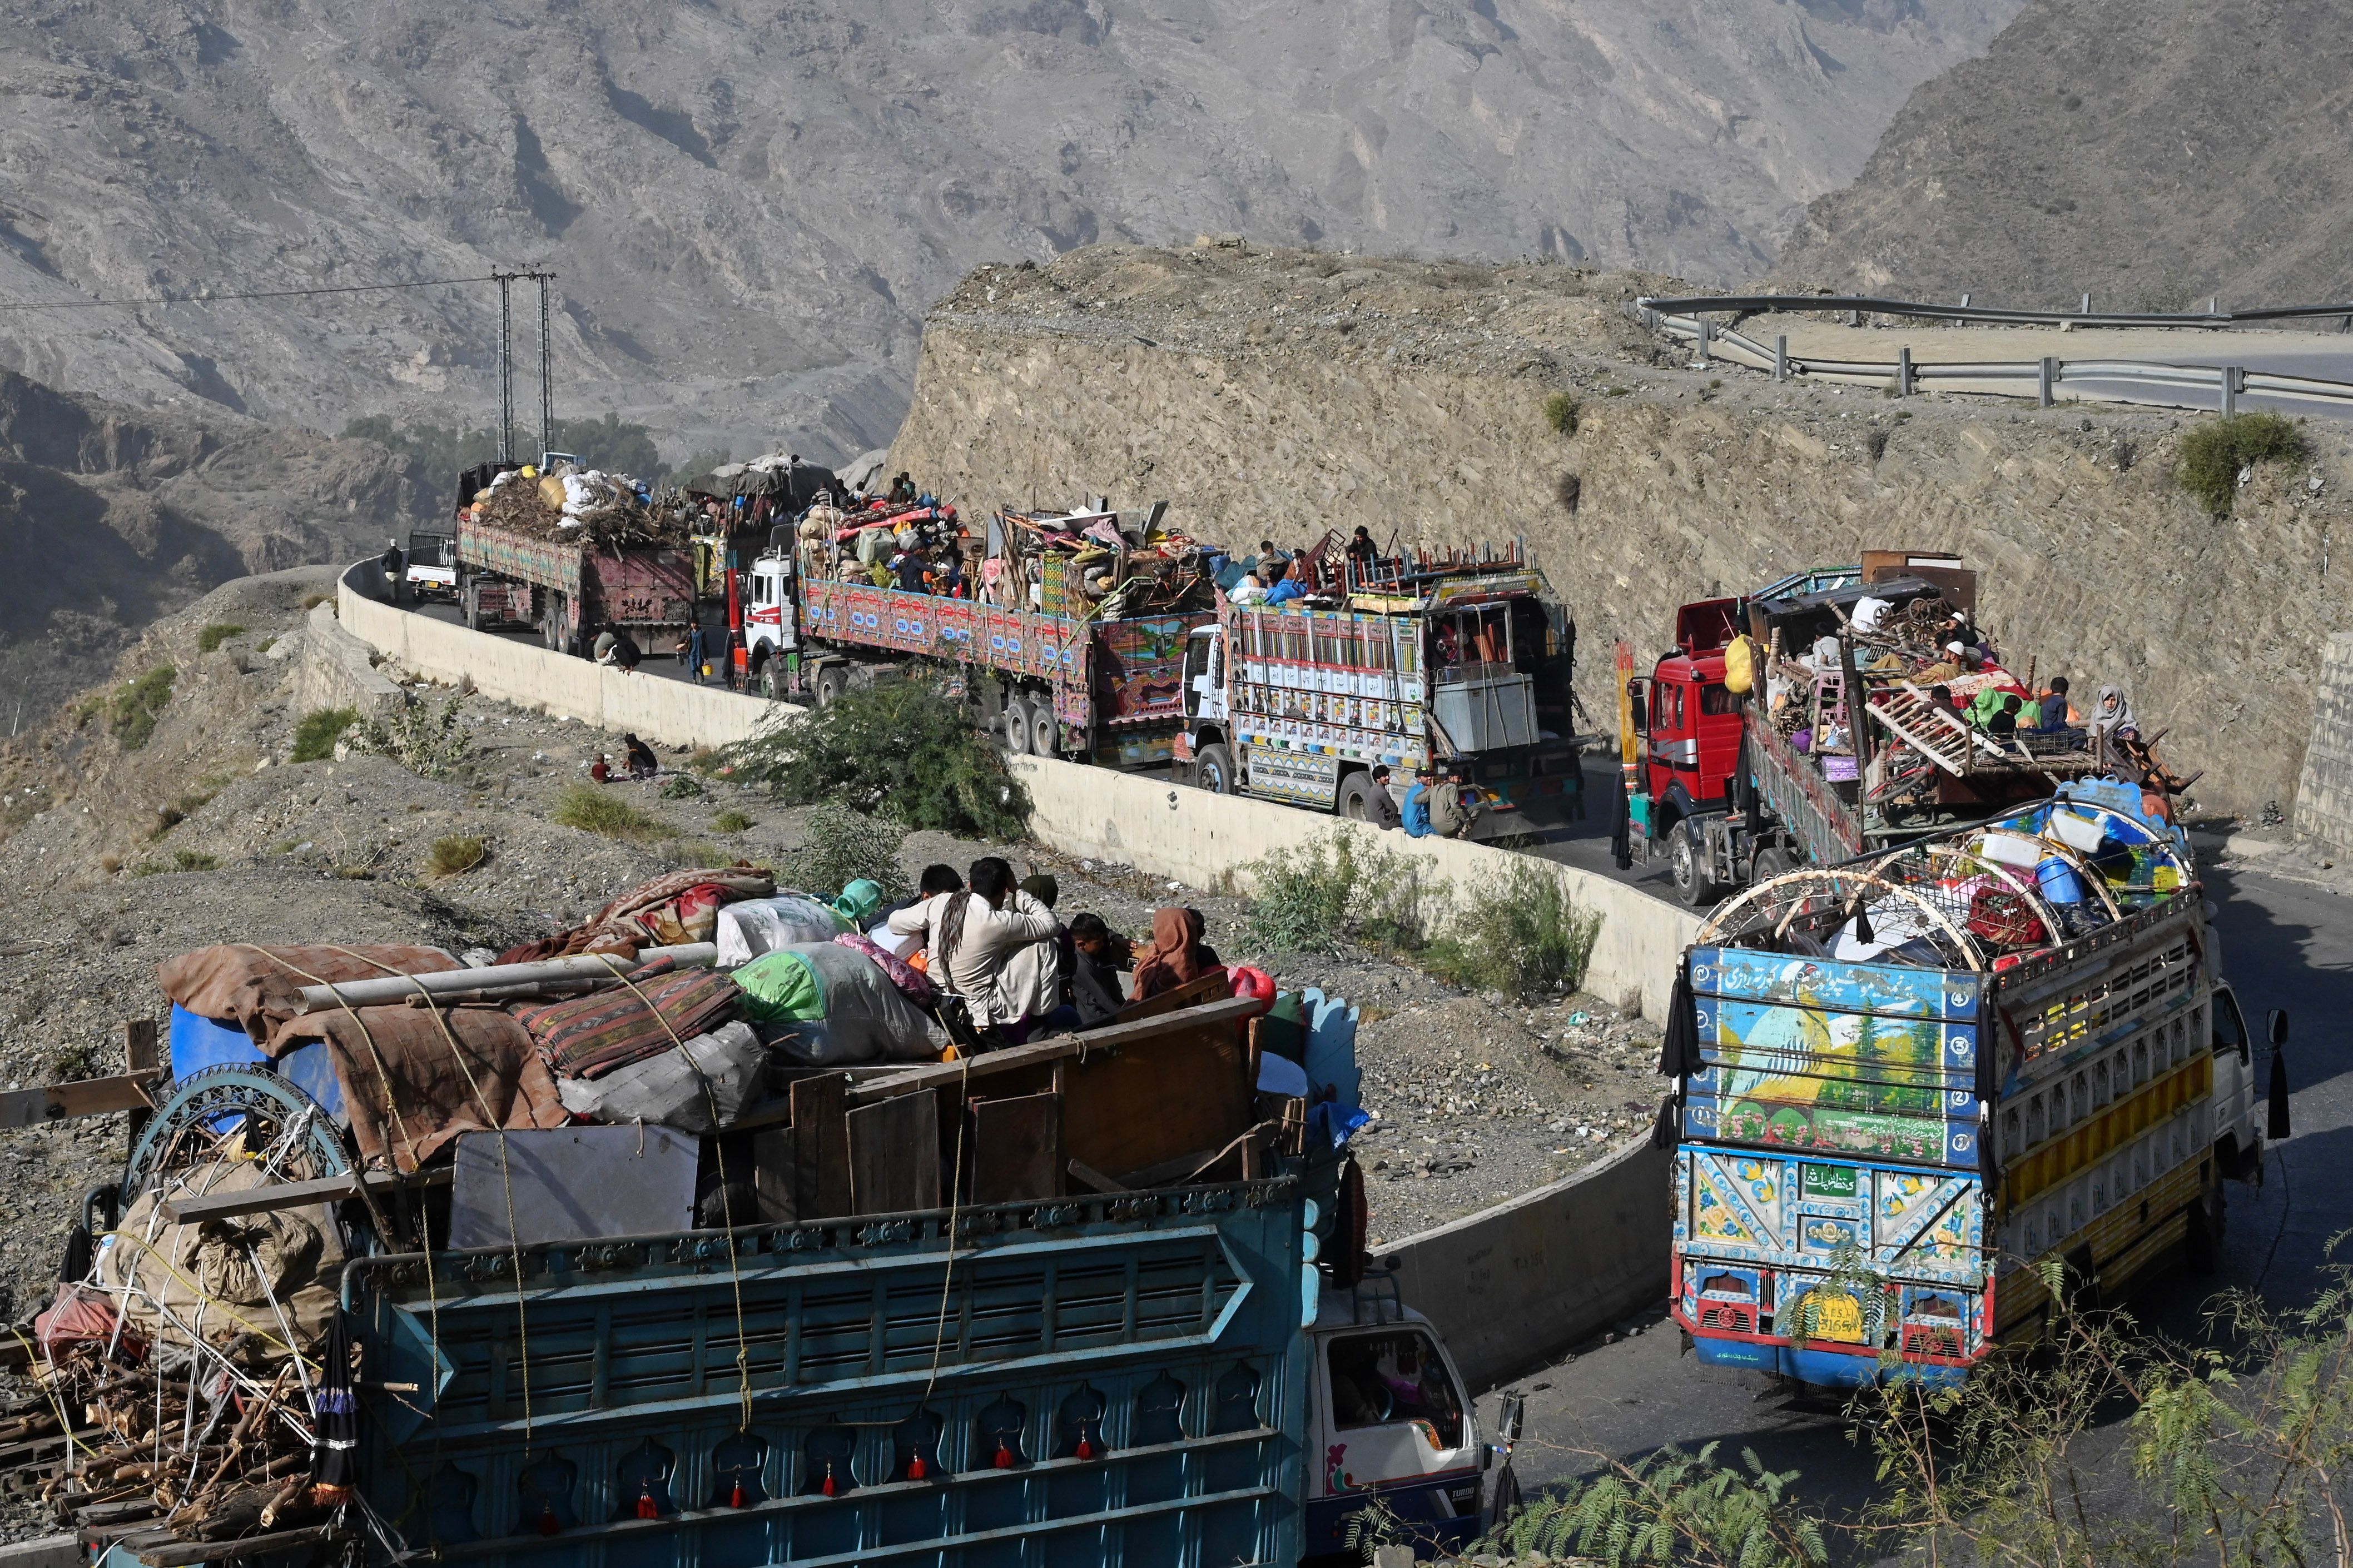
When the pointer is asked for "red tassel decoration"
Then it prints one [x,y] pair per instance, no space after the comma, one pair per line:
[1086,1449]
[1004,1456]
[914,1467]
[548,1524]
[645,1509]
[735,1498]
[828,1487]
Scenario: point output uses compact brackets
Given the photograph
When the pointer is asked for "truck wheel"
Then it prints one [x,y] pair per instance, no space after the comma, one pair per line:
[1356,797]
[1045,734]
[831,682]
[1771,862]
[1013,724]
[1213,770]
[1687,862]
[772,681]
[550,624]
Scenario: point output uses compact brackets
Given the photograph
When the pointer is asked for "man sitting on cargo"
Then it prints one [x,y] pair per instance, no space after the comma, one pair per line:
[902,490]
[1097,955]
[971,934]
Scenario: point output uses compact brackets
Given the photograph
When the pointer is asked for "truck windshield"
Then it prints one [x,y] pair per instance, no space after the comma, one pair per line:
[1378,1379]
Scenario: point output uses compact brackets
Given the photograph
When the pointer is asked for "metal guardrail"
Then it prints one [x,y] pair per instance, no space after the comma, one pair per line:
[1755,305]
[2046,379]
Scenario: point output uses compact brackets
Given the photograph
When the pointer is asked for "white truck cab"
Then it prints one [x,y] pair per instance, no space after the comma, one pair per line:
[1388,1419]
[771,630]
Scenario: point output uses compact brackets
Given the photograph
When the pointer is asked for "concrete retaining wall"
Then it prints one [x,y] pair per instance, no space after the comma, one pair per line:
[1185,833]
[333,671]
[1511,1286]
[2323,794]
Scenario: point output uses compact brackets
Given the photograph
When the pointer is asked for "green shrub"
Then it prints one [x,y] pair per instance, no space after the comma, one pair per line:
[1337,888]
[73,1062]
[195,861]
[903,750]
[1669,1507]
[315,736]
[2213,453]
[1561,412]
[429,746]
[131,712]
[593,808]
[213,635]
[682,786]
[1526,939]
[838,847]
[455,853]
[730,821]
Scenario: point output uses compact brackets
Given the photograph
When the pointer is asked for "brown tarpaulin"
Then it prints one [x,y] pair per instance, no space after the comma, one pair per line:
[617,928]
[260,987]
[430,1089]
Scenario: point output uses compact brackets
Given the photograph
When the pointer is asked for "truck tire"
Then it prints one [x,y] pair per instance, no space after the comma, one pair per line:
[831,683]
[552,628]
[1013,725]
[1213,770]
[772,681]
[1045,734]
[1357,796]
[1687,863]
[1771,861]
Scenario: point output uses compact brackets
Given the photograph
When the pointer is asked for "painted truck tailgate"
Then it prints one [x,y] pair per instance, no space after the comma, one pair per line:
[1099,1379]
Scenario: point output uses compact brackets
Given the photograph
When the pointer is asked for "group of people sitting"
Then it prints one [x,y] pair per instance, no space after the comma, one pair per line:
[1273,576]
[995,944]
[1437,804]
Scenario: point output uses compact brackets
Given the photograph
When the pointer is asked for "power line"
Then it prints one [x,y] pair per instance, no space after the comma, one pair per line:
[251,294]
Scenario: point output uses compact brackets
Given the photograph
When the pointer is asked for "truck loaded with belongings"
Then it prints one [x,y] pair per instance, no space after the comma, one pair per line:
[610,1245]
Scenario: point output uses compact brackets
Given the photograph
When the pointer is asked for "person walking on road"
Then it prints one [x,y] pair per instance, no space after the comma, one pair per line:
[694,651]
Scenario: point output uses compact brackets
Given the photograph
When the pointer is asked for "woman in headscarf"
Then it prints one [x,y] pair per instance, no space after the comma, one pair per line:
[2111,711]
[1178,955]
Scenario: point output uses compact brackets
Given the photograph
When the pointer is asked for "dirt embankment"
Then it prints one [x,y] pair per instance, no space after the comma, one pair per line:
[1278,392]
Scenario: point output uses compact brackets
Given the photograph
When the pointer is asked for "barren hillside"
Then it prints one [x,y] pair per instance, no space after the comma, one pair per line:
[750,206]
[2153,152]
[1285,391]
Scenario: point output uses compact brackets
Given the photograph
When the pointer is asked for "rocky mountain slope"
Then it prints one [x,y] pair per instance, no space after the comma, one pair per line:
[110,516]
[749,207]
[1286,392]
[2152,152]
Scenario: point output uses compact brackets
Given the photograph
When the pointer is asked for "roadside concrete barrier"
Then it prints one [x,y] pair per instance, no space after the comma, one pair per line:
[1512,1285]
[333,670]
[2323,794]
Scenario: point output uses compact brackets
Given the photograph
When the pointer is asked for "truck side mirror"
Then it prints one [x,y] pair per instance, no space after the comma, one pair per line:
[2275,1025]
[1510,1416]
[1640,700]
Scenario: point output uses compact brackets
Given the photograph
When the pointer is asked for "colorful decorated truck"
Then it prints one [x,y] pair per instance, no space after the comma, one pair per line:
[1905,1083]
[1462,665]
[1108,691]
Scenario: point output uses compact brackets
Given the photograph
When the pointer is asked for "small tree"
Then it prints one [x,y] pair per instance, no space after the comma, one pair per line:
[902,751]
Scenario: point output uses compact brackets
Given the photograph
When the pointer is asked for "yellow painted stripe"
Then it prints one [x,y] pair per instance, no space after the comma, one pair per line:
[2111,1129]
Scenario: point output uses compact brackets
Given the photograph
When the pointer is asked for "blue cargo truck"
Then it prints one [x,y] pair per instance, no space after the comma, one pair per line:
[1905,1082]
[1185,1364]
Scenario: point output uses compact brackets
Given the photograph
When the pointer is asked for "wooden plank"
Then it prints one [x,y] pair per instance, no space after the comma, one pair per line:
[820,1149]
[1089,1176]
[1017,1149]
[949,1075]
[775,1175]
[1141,1107]
[894,1155]
[193,1208]
[85,1097]
[180,1553]
[1192,994]
[139,1049]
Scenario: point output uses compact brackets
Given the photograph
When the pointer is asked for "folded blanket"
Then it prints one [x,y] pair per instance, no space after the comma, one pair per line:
[260,987]
[587,1036]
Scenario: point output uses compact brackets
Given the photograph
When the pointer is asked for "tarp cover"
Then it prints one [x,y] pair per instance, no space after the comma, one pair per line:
[856,1015]
[720,1073]
[755,926]
[260,987]
[435,1092]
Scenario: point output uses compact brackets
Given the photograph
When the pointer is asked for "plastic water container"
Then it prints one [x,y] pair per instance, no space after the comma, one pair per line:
[2077,832]
[2010,850]
[2058,882]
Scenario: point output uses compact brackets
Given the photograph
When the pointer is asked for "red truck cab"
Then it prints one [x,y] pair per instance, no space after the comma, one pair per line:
[1688,723]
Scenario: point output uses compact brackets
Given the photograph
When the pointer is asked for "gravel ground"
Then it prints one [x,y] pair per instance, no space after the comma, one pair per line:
[1476,1099]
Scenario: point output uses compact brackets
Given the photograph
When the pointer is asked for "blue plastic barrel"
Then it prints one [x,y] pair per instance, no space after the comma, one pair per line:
[198,1043]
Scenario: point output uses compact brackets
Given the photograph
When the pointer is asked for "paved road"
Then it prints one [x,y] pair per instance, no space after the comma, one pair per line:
[2288,943]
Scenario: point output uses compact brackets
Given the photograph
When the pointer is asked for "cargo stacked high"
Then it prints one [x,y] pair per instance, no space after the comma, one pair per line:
[1747,756]
[574,551]
[1905,1083]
